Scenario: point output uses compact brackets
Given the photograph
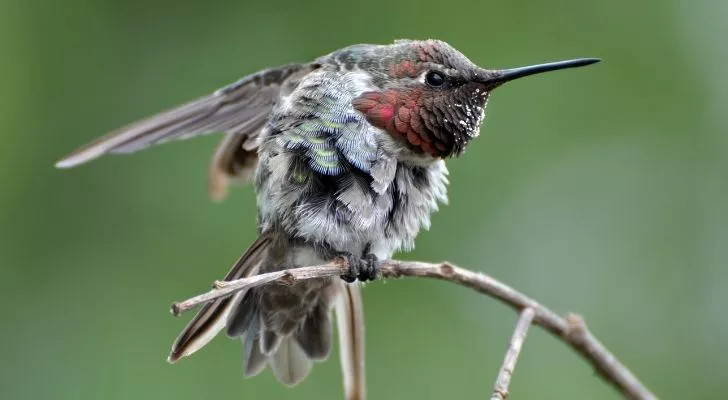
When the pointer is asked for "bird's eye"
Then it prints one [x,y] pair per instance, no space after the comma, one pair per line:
[435,79]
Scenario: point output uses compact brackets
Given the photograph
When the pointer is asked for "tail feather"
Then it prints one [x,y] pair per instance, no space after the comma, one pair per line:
[289,352]
[315,334]
[289,363]
[350,321]
[255,361]
[288,360]
[270,341]
[290,333]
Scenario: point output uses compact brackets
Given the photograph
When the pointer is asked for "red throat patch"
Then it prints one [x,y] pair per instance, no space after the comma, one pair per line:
[398,113]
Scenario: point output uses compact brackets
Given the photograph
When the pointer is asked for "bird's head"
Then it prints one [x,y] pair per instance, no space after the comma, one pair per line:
[430,95]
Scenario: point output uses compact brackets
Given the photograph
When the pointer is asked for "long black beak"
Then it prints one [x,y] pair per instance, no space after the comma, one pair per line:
[499,77]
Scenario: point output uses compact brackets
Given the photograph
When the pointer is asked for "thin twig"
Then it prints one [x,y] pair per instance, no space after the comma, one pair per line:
[572,331]
[500,392]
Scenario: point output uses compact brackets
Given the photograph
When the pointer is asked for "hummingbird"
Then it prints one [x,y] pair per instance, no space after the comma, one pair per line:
[347,155]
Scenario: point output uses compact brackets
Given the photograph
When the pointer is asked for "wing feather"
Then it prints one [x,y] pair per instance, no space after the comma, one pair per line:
[212,317]
[240,108]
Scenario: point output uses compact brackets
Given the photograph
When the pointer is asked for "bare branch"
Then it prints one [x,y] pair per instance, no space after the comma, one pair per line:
[500,392]
[572,331]
[226,288]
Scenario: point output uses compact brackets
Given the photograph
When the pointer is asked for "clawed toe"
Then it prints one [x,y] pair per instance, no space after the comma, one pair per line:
[363,269]
[354,267]
[371,268]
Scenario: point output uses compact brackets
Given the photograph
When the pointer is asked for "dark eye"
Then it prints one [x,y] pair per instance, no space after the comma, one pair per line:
[435,79]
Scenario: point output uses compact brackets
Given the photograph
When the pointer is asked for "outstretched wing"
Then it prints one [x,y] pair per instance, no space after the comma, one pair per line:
[212,316]
[239,109]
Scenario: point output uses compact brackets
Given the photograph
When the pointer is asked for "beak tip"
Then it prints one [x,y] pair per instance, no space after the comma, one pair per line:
[590,60]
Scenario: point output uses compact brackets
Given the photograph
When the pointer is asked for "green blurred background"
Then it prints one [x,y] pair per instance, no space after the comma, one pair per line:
[601,191]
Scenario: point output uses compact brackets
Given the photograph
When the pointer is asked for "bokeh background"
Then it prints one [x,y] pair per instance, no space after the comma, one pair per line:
[601,190]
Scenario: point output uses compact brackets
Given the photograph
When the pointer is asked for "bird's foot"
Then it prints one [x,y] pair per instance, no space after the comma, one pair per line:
[362,268]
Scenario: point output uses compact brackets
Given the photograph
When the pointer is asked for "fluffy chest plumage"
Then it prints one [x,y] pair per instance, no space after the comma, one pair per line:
[328,177]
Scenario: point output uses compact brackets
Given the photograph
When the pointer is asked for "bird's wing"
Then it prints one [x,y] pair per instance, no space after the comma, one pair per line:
[239,109]
[212,316]
[234,160]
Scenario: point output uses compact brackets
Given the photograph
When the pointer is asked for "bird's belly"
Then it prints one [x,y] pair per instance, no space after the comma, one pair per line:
[345,212]
[352,236]
[338,227]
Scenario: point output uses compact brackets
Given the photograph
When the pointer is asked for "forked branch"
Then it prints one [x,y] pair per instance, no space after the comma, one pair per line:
[500,392]
[572,330]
